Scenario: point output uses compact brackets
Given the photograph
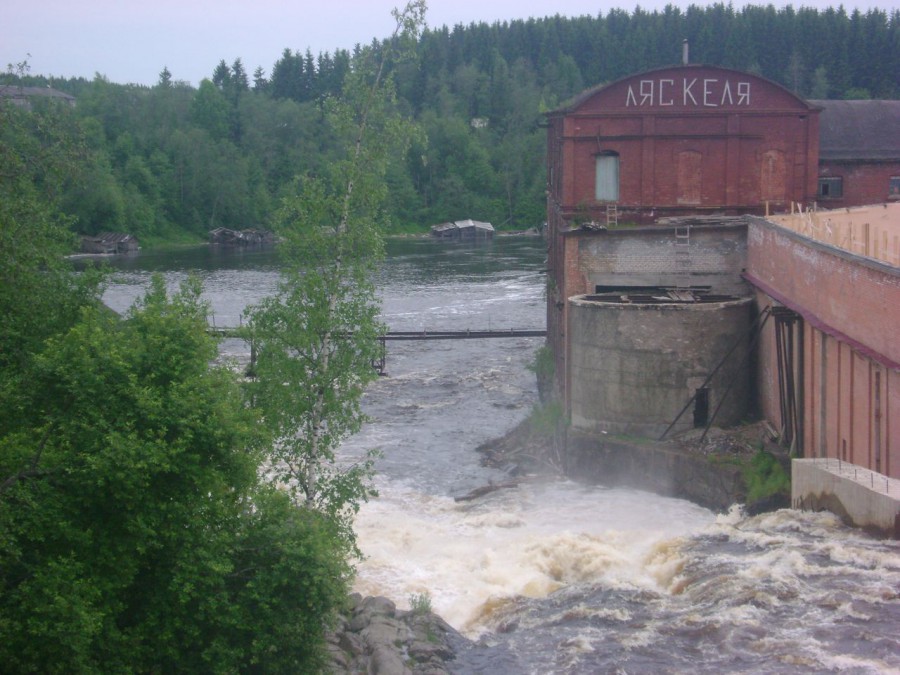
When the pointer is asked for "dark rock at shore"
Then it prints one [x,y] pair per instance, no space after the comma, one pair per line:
[770,503]
[523,450]
[375,637]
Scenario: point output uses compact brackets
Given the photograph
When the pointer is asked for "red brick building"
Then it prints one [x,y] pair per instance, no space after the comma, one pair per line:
[681,140]
[697,141]
[859,153]
[669,142]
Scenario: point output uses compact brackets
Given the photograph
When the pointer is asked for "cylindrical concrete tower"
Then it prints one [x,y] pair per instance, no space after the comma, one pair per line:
[636,360]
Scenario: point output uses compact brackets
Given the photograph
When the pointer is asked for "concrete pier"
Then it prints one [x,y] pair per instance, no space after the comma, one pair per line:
[861,497]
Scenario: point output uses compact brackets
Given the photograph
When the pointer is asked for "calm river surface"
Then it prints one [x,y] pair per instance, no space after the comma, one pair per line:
[555,577]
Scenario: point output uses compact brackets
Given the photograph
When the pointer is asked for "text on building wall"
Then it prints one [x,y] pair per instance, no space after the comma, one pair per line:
[701,92]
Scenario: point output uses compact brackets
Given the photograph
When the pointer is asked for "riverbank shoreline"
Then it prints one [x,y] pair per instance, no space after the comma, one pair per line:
[374,636]
[709,470]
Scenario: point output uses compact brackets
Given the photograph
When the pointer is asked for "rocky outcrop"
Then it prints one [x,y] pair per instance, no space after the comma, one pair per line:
[375,637]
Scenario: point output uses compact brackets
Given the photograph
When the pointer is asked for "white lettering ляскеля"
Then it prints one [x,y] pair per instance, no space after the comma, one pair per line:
[711,93]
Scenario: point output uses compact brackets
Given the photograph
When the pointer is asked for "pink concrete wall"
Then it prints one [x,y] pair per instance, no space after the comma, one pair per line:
[852,406]
[851,296]
[850,353]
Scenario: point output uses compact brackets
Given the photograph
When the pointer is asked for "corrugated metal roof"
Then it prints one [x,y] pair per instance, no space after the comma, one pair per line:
[859,130]
[443,227]
[114,237]
[477,224]
[462,225]
[15,91]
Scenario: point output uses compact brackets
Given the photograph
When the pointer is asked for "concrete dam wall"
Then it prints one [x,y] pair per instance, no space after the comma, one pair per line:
[635,364]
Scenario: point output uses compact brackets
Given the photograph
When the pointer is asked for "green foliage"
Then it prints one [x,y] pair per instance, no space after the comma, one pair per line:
[544,367]
[133,532]
[764,476]
[544,364]
[226,153]
[317,338]
[856,94]
[420,603]
[547,419]
[39,296]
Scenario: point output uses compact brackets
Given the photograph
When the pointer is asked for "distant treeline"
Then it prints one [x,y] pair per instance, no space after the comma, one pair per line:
[171,159]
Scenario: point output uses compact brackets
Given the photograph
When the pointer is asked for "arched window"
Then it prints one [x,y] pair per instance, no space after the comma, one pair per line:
[606,187]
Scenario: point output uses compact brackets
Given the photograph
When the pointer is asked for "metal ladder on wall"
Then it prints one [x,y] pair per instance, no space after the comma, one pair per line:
[612,215]
[683,256]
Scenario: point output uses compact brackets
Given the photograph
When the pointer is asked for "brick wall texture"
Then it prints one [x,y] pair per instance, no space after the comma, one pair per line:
[688,139]
[862,183]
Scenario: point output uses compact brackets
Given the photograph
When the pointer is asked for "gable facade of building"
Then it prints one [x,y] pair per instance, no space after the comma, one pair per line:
[681,140]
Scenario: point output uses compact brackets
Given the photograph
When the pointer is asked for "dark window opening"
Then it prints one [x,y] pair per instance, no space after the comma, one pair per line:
[894,188]
[701,407]
[830,188]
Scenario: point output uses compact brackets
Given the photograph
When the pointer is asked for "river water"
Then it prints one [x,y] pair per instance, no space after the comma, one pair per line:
[553,576]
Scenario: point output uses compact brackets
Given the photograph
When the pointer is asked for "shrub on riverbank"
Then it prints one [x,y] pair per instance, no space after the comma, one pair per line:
[765,477]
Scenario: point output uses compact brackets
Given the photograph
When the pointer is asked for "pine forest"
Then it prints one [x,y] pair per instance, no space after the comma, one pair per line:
[171,162]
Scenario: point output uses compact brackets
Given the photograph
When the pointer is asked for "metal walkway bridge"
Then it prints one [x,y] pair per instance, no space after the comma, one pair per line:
[461,334]
[239,332]
[399,335]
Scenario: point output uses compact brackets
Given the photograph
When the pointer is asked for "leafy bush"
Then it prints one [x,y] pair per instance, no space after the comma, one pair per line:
[545,419]
[764,476]
[543,365]
[134,533]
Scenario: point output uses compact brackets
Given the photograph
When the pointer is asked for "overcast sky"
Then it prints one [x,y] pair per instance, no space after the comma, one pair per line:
[131,41]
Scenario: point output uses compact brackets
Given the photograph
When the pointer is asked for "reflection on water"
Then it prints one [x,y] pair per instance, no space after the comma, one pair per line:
[552,576]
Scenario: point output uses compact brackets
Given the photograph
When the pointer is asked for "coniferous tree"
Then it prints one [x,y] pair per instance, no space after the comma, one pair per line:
[260,83]
[466,75]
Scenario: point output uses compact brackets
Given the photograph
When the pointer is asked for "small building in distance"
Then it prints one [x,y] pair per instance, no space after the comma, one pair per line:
[223,236]
[24,96]
[463,230]
[110,243]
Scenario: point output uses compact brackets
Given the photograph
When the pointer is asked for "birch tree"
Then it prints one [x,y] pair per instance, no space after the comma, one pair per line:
[317,337]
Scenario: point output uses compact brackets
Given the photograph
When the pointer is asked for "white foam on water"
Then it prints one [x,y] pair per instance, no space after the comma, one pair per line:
[524,542]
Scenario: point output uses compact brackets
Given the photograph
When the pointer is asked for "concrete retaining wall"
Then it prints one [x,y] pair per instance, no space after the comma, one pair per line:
[652,256]
[654,467]
[634,367]
[861,497]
